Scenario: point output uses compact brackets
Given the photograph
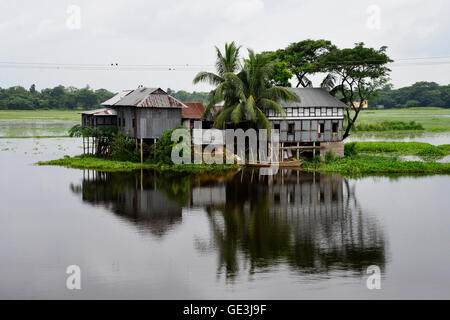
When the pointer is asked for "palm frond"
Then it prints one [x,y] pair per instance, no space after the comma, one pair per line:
[280,93]
[328,82]
[250,107]
[237,113]
[222,117]
[261,120]
[268,104]
[208,77]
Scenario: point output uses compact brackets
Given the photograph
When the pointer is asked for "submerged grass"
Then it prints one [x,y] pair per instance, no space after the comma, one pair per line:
[369,164]
[382,157]
[400,148]
[96,163]
[388,126]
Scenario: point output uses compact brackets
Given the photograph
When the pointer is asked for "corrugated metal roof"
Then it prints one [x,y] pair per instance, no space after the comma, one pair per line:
[116,98]
[194,110]
[135,97]
[100,112]
[313,97]
[149,97]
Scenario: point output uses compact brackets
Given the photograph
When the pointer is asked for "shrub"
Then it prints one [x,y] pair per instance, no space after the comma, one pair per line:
[317,159]
[388,126]
[161,151]
[123,148]
[350,149]
[330,156]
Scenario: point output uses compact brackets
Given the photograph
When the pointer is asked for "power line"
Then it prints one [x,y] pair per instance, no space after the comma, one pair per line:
[187,66]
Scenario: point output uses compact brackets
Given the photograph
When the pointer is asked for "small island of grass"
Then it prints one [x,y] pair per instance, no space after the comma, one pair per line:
[97,163]
[361,158]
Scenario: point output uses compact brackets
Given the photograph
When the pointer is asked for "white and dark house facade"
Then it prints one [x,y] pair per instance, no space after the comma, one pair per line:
[315,123]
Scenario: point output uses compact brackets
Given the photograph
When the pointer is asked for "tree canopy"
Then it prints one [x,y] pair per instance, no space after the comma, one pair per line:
[60,97]
[420,94]
[302,58]
[360,72]
[246,93]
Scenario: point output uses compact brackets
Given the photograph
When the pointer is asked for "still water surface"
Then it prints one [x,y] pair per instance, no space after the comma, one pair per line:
[239,235]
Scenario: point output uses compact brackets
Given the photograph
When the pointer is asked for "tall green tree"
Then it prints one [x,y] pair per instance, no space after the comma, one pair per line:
[360,72]
[248,95]
[226,63]
[302,57]
[280,75]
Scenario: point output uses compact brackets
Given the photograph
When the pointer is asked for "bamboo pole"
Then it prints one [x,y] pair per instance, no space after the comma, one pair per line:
[142,152]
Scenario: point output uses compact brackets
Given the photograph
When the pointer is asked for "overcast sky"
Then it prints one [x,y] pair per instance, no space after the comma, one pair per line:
[184,32]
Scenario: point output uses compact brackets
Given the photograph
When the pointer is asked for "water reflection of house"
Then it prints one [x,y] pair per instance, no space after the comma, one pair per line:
[309,221]
[133,197]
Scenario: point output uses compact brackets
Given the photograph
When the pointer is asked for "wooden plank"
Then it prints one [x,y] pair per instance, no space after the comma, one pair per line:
[301,148]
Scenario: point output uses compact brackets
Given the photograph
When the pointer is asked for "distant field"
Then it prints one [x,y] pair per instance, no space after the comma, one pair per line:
[25,123]
[432,119]
[39,115]
[42,123]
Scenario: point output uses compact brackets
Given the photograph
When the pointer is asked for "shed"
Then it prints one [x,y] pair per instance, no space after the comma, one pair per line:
[145,113]
[193,112]
[99,117]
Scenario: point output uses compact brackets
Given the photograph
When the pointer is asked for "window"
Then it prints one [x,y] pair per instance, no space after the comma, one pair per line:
[295,112]
[290,128]
[321,129]
[335,128]
[289,112]
[134,123]
[276,126]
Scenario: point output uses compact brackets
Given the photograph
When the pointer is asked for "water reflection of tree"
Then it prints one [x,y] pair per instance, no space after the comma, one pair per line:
[302,220]
[309,222]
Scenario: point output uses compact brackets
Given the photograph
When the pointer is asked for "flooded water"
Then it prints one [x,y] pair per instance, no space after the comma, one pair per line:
[240,235]
[435,138]
[11,128]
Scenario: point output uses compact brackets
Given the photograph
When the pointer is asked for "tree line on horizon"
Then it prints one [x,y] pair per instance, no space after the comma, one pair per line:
[59,97]
[420,94]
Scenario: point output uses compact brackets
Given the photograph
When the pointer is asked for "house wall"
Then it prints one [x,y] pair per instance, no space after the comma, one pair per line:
[94,121]
[149,123]
[308,130]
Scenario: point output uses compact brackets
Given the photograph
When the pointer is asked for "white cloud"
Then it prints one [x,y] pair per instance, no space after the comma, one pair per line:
[185,31]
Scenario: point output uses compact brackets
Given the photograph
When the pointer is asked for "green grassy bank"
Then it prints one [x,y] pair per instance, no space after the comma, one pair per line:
[393,148]
[370,164]
[95,163]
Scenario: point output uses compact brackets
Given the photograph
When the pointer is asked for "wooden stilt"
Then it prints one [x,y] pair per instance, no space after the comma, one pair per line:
[142,152]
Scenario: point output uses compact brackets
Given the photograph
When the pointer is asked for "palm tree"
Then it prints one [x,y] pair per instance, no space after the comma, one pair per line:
[228,62]
[330,84]
[248,95]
